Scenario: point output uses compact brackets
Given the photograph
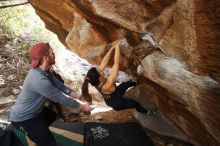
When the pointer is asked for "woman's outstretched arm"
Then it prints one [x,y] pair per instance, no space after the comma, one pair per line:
[105,60]
[114,71]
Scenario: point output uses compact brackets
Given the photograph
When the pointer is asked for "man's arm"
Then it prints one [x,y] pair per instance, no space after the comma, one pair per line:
[60,85]
[44,87]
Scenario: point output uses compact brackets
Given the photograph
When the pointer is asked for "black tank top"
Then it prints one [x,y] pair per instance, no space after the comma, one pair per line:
[105,96]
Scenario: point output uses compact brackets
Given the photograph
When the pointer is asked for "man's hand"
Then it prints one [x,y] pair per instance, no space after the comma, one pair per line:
[85,107]
[82,98]
[74,95]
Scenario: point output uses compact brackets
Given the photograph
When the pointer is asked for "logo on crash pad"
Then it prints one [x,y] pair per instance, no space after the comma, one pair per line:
[99,132]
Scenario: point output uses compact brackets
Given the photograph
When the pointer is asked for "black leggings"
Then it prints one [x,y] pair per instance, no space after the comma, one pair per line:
[118,103]
[37,129]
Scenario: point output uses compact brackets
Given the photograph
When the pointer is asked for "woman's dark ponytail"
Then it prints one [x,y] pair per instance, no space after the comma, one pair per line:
[85,91]
[93,78]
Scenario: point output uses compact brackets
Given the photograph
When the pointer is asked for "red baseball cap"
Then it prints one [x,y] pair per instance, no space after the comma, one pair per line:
[38,51]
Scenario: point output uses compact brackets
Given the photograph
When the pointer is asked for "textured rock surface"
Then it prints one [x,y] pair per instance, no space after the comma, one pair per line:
[183,72]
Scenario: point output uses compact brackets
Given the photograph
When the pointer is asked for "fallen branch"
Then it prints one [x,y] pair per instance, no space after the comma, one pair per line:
[8,70]
[7,104]
[14,5]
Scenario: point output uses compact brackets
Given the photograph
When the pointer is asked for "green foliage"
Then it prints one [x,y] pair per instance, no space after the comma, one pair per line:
[23,26]
[13,18]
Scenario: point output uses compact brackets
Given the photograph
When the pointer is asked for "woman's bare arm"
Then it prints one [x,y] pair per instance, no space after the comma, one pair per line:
[105,60]
[114,71]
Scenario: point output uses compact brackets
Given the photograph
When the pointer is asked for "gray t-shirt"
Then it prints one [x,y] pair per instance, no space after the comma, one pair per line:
[37,88]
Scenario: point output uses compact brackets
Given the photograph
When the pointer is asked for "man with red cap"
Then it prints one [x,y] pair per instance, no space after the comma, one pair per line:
[29,113]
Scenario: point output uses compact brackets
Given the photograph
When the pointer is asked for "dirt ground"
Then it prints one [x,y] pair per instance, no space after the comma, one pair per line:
[108,117]
[13,68]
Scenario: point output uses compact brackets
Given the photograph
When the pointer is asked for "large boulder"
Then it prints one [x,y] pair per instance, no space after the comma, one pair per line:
[180,68]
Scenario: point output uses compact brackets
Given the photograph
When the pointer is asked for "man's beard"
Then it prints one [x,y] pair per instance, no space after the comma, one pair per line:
[51,61]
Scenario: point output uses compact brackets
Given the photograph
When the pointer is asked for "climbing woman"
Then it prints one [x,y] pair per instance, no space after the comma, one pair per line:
[112,94]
